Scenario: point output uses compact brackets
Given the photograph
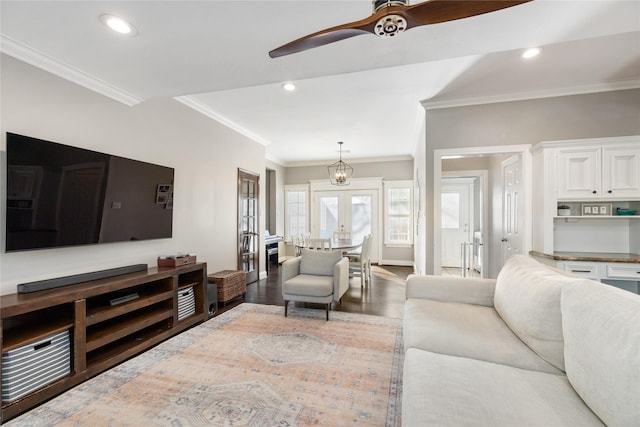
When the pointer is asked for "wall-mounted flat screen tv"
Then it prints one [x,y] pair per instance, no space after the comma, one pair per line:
[58,195]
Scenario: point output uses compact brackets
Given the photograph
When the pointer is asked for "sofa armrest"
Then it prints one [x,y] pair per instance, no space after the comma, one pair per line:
[290,269]
[451,289]
[340,278]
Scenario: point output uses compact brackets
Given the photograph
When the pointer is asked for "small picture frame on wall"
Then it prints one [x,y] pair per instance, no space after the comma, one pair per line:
[596,209]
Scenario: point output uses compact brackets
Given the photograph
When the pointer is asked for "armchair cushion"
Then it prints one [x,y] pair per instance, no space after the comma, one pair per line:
[319,263]
[309,285]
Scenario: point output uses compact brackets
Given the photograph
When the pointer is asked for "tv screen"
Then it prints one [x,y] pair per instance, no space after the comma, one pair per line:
[58,195]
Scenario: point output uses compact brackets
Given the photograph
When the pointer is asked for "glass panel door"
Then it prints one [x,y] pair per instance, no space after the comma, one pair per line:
[328,218]
[361,214]
[248,226]
[352,211]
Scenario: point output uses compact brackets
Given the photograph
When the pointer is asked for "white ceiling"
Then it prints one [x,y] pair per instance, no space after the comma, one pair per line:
[365,91]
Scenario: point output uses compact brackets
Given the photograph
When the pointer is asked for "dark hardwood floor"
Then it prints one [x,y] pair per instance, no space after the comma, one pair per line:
[383,297]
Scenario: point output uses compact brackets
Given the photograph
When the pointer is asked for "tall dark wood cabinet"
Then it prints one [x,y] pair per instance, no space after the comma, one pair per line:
[249,224]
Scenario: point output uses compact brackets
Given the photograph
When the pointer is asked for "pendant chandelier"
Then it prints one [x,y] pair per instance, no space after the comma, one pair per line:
[340,173]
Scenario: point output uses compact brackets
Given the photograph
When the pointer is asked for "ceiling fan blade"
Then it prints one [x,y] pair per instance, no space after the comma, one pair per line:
[437,11]
[390,20]
[323,37]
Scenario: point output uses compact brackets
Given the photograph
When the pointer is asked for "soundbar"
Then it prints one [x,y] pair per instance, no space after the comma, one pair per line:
[42,285]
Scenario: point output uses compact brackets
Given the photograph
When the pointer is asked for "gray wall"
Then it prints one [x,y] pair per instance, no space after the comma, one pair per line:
[204,153]
[392,170]
[593,115]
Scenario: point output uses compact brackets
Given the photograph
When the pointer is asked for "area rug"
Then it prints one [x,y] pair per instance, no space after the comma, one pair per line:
[249,366]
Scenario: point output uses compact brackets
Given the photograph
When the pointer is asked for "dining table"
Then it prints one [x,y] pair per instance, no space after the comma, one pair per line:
[340,244]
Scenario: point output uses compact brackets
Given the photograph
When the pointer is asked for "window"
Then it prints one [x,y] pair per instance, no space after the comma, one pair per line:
[398,213]
[296,210]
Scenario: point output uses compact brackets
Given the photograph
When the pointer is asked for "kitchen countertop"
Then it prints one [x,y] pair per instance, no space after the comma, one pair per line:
[588,256]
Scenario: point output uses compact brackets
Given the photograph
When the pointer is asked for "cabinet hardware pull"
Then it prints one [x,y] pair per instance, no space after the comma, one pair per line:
[581,271]
[609,191]
[594,191]
[41,345]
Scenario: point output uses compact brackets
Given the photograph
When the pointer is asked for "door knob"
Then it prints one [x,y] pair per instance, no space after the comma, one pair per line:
[504,240]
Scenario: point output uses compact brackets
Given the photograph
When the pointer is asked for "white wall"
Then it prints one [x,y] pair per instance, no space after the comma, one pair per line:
[204,153]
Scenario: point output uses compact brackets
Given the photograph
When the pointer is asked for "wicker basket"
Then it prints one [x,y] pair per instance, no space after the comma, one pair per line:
[230,283]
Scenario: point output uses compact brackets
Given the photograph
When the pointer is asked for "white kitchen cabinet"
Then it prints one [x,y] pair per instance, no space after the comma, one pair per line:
[600,172]
[621,171]
[577,172]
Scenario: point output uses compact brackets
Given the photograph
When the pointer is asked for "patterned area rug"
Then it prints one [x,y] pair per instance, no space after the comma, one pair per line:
[250,366]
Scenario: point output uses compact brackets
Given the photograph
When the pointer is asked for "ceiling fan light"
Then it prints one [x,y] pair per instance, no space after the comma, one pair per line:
[390,25]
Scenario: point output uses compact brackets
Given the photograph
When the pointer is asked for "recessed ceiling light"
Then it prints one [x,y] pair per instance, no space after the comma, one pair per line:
[289,87]
[118,25]
[530,53]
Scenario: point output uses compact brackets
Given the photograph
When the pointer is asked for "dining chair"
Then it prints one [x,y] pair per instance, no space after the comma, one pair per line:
[320,244]
[360,263]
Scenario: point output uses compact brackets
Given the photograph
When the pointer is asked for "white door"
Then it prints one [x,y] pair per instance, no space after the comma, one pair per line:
[513,215]
[456,220]
[353,211]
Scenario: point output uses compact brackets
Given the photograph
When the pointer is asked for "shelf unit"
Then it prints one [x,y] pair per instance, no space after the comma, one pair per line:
[102,335]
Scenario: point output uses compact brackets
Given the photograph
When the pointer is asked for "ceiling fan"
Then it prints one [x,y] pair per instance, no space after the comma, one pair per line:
[391,17]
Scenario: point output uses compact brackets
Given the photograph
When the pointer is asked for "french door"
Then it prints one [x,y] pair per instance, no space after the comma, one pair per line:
[353,211]
[248,220]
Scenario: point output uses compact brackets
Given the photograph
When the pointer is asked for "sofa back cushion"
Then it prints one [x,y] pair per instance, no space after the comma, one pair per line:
[319,263]
[527,297]
[601,327]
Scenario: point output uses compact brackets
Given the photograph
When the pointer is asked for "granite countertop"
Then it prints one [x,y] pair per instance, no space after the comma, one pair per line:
[589,256]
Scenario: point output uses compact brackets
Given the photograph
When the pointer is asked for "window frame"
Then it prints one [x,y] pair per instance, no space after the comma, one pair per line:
[297,188]
[389,186]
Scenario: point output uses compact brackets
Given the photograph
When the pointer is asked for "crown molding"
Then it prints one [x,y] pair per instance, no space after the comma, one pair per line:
[190,102]
[523,96]
[349,161]
[47,63]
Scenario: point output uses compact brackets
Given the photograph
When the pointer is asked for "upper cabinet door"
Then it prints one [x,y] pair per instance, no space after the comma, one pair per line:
[621,172]
[579,173]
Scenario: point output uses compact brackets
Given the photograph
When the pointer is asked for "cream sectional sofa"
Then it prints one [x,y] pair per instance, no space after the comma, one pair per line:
[535,347]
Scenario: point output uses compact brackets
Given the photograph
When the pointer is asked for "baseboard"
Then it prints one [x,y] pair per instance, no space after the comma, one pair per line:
[398,262]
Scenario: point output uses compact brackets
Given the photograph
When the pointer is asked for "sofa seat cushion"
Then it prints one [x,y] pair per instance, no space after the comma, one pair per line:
[467,330]
[309,285]
[442,390]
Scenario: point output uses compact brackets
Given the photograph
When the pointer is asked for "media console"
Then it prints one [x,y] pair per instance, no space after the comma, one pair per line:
[101,334]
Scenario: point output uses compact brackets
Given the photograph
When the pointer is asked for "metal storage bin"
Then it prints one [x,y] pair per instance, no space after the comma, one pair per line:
[30,367]
[186,303]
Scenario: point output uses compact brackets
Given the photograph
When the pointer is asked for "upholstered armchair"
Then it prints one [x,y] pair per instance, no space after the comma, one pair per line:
[315,276]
